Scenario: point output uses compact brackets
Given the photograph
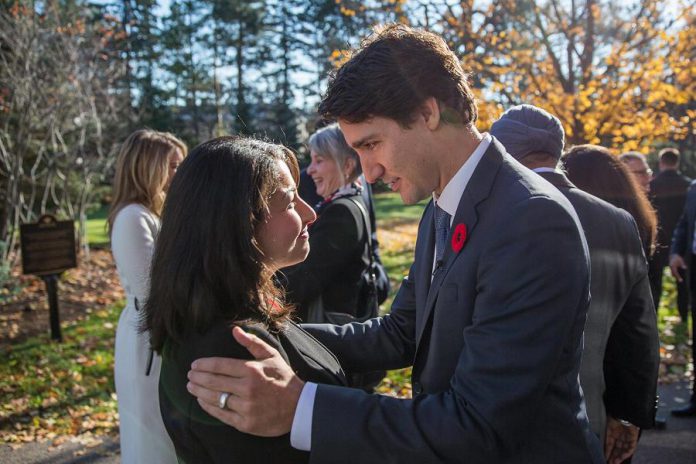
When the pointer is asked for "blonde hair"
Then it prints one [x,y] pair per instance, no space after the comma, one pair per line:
[142,169]
[329,142]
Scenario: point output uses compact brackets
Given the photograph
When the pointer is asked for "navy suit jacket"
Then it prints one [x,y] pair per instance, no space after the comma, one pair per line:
[683,237]
[495,340]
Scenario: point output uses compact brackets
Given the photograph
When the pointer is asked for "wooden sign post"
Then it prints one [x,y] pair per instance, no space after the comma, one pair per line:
[48,249]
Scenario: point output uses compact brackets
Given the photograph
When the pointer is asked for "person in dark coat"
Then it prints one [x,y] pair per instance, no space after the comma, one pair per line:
[620,359]
[308,192]
[231,220]
[668,195]
[682,262]
[330,277]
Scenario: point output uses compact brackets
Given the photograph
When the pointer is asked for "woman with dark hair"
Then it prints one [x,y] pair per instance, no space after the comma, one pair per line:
[232,218]
[595,170]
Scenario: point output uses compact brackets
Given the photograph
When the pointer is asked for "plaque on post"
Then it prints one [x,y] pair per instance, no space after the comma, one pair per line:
[48,249]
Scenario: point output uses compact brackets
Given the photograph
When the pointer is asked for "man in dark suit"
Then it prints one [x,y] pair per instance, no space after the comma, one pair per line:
[492,311]
[681,262]
[668,195]
[620,359]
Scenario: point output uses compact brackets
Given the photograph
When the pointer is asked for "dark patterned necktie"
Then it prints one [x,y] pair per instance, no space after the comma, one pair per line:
[442,226]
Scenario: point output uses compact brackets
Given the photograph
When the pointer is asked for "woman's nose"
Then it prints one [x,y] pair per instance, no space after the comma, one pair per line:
[307,212]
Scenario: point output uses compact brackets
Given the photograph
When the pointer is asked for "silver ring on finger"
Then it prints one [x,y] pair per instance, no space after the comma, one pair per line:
[222,400]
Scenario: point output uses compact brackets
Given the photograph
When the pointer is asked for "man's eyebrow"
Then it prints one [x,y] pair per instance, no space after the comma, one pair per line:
[362,141]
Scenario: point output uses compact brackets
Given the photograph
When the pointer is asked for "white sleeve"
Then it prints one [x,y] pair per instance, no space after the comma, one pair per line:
[301,432]
[132,244]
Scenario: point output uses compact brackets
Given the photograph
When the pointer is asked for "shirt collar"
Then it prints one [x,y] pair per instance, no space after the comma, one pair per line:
[452,193]
[547,170]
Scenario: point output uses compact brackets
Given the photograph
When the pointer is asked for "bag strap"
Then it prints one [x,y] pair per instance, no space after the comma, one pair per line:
[366,224]
[151,354]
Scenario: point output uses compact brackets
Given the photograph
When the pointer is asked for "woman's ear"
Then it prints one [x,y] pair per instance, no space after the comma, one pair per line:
[349,167]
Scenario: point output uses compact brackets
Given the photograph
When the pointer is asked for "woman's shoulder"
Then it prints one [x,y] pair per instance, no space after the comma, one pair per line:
[217,341]
[134,212]
[310,359]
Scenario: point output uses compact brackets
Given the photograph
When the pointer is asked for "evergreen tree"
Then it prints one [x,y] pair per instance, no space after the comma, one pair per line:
[237,25]
[187,65]
[141,56]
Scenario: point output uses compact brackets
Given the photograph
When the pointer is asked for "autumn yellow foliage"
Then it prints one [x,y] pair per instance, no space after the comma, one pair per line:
[620,76]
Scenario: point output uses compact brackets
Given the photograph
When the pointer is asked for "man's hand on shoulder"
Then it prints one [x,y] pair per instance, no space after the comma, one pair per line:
[263,392]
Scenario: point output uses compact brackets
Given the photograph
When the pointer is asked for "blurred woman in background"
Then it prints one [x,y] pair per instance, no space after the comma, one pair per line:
[145,167]
[595,170]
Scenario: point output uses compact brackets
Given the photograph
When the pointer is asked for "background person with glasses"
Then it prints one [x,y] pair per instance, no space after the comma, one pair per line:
[639,168]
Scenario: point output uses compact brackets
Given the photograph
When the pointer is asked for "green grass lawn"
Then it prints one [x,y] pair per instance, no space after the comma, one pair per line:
[50,389]
[96,227]
[389,207]
[393,216]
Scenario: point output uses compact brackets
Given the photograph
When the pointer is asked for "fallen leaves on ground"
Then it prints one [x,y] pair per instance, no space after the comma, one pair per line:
[51,390]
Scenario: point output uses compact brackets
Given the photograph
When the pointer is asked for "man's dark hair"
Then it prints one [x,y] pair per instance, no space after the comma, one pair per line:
[207,266]
[393,72]
[669,156]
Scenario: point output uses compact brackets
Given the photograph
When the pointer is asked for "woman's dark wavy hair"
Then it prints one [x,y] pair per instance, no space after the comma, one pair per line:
[207,266]
[393,72]
[595,170]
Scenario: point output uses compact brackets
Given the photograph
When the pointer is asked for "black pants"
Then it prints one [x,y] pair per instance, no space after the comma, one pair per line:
[693,321]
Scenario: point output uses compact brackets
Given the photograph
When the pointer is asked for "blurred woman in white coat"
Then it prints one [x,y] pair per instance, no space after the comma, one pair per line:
[146,164]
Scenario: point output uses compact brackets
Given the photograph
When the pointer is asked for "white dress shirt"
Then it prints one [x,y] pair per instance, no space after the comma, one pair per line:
[301,432]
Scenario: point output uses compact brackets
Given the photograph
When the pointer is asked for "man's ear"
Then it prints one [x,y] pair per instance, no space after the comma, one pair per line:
[430,112]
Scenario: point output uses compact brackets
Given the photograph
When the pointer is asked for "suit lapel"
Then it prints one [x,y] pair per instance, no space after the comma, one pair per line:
[425,255]
[476,191]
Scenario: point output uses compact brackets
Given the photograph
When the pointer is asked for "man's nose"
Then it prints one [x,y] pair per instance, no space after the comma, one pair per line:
[372,171]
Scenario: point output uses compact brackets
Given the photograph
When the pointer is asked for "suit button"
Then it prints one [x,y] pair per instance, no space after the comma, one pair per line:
[417,388]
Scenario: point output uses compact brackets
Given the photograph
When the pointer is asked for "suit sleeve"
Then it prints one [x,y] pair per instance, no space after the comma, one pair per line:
[679,236]
[333,241]
[382,343]
[532,275]
[378,344]
[632,357]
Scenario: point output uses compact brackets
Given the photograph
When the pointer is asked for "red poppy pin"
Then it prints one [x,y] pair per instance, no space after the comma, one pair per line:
[459,238]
